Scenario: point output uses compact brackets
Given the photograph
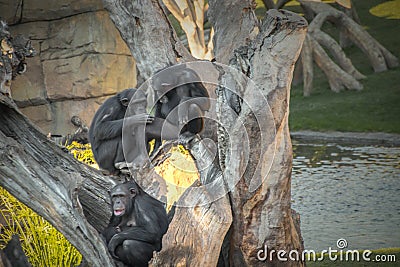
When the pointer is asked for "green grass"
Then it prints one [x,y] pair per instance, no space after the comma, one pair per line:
[375,108]
[391,251]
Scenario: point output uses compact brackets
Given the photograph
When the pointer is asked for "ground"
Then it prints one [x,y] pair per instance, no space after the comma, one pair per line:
[375,108]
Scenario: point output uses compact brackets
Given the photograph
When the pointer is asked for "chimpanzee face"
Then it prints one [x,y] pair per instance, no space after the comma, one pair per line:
[125,96]
[122,197]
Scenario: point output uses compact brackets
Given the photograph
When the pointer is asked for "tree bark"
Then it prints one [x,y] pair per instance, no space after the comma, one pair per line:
[338,79]
[308,66]
[48,180]
[261,217]
[144,25]
[190,15]
[229,37]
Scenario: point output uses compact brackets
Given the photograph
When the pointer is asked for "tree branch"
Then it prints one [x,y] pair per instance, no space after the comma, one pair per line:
[48,180]
[144,24]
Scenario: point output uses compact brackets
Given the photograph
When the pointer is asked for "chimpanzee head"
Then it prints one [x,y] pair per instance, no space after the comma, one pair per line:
[138,103]
[122,198]
[125,96]
[168,78]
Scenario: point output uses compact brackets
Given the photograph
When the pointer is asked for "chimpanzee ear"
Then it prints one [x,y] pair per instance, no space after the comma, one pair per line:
[125,101]
[133,191]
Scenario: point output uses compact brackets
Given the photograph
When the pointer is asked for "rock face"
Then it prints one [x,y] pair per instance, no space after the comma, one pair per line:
[81,60]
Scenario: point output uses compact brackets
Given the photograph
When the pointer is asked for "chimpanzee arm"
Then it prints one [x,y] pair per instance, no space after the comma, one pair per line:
[108,233]
[202,102]
[157,114]
[111,229]
[109,129]
[134,233]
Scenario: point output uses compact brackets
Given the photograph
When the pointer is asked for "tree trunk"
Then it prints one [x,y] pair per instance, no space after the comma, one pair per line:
[261,215]
[147,32]
[213,220]
[380,58]
[308,66]
[48,180]
[190,15]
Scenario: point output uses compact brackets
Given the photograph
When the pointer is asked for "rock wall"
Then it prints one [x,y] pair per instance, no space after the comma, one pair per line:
[81,60]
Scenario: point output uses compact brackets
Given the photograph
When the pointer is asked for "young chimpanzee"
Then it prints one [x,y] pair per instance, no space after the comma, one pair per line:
[181,99]
[105,133]
[136,226]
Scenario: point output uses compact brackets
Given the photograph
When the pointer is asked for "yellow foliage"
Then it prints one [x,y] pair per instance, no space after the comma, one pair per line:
[41,242]
[82,153]
[179,171]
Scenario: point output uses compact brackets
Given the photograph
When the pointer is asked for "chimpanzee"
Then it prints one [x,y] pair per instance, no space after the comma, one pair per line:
[137,225]
[181,99]
[135,143]
[105,133]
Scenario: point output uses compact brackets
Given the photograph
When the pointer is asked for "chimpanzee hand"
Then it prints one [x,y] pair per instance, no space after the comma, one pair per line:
[139,119]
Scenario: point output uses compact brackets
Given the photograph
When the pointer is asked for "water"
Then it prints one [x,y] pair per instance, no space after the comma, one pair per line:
[347,192]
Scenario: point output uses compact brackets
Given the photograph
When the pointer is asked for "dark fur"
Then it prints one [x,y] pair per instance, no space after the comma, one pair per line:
[180,90]
[105,133]
[134,235]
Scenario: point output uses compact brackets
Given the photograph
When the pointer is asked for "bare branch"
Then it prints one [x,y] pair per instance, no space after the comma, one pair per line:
[156,39]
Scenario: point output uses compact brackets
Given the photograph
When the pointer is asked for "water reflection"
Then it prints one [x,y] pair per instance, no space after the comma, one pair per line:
[347,192]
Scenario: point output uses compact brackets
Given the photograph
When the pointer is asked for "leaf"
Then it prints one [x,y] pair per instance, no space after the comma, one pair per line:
[344,3]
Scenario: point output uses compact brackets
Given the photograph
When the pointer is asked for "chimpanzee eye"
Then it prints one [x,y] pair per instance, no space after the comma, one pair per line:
[125,101]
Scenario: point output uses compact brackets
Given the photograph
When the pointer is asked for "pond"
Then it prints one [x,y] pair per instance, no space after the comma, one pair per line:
[350,192]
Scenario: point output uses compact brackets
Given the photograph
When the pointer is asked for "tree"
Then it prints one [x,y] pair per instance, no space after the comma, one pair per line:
[320,47]
[256,213]
[190,15]
[341,73]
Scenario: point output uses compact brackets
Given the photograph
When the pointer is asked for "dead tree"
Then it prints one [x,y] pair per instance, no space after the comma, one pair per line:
[338,68]
[256,211]
[340,72]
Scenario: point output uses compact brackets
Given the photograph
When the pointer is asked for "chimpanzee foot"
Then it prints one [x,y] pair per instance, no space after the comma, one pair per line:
[122,167]
[185,138]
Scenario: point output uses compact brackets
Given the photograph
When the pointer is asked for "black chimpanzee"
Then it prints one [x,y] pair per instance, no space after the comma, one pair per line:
[181,99]
[105,133]
[136,226]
